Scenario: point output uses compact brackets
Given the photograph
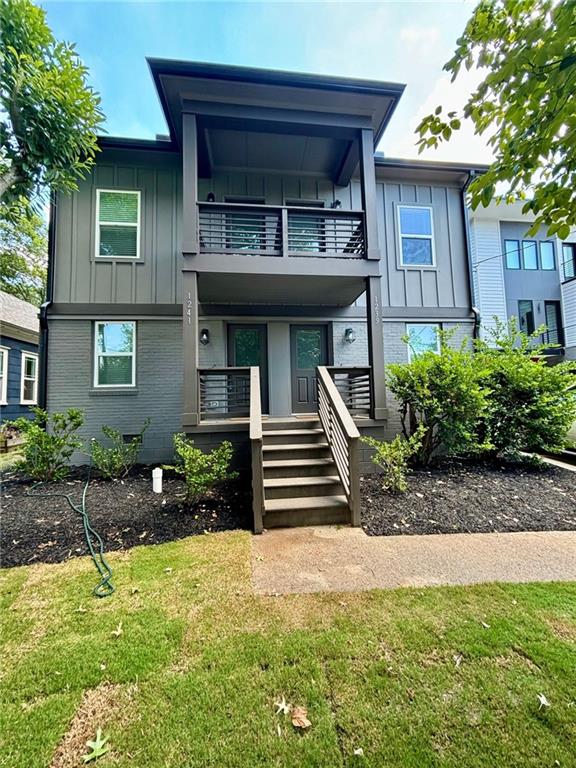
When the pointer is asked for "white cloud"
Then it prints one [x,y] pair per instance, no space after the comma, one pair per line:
[418,36]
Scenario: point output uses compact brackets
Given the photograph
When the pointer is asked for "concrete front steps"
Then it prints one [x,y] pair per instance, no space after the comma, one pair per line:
[301,482]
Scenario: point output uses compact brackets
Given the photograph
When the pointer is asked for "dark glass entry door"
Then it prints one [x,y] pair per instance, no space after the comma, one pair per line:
[308,349]
[247,346]
[553,322]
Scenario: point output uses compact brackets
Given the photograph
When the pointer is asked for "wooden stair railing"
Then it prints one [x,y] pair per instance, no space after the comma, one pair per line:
[256,449]
[343,439]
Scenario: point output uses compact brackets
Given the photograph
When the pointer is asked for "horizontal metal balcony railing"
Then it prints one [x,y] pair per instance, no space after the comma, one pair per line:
[224,393]
[266,230]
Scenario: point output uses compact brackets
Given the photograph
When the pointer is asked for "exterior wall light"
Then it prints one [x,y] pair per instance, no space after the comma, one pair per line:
[210,197]
[336,204]
[204,336]
[349,335]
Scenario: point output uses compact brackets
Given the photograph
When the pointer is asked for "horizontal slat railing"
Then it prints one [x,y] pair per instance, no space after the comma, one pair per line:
[267,230]
[256,450]
[355,388]
[343,438]
[224,393]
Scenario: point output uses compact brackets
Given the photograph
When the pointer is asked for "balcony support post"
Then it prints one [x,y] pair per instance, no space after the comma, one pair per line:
[190,335]
[190,244]
[376,346]
[369,194]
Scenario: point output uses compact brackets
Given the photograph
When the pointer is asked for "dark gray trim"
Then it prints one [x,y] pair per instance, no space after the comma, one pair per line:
[120,391]
[88,309]
[122,142]
[376,346]
[469,260]
[428,313]
[190,228]
[284,311]
[44,309]
[246,264]
[382,161]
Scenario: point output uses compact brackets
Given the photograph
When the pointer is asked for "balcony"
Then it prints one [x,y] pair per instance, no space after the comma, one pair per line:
[264,230]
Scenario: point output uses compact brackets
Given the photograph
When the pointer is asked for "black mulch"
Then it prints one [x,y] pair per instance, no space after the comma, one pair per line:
[464,497]
[125,513]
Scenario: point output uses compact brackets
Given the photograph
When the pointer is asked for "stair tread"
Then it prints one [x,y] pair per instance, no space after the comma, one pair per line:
[275,464]
[291,432]
[305,502]
[281,482]
[294,446]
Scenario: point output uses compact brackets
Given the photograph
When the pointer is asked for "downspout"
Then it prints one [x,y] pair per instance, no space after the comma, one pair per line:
[43,384]
[475,310]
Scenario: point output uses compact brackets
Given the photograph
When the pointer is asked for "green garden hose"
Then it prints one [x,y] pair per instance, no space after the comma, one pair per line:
[104,588]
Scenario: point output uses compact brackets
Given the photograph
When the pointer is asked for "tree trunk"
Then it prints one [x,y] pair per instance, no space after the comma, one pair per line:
[7,180]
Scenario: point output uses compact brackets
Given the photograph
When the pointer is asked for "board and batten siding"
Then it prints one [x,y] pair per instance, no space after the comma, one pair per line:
[83,277]
[488,273]
[569,310]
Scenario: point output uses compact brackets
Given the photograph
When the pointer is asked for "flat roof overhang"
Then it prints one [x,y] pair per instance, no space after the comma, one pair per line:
[299,122]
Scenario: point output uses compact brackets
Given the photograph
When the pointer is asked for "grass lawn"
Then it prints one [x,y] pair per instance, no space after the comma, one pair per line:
[191,678]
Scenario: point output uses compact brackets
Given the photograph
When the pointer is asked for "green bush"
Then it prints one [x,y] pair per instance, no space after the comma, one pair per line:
[393,458]
[445,393]
[49,442]
[201,471]
[531,405]
[116,460]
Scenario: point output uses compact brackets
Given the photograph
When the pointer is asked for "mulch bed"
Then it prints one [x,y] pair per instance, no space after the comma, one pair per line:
[125,513]
[464,497]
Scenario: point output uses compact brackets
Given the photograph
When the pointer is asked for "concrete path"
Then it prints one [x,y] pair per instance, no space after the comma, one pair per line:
[331,559]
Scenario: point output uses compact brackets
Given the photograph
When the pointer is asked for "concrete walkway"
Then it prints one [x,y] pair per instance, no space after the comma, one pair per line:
[331,559]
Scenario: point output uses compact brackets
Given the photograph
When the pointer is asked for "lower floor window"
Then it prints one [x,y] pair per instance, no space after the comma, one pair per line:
[422,337]
[3,375]
[115,354]
[29,381]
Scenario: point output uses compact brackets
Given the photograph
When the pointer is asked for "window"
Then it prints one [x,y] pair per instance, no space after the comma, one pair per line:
[115,356]
[530,254]
[512,251]
[118,224]
[526,316]
[569,260]
[29,379]
[416,235]
[422,337]
[306,232]
[3,375]
[547,257]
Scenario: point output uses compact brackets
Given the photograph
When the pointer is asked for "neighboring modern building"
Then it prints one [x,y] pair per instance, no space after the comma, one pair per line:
[18,357]
[263,232]
[531,277]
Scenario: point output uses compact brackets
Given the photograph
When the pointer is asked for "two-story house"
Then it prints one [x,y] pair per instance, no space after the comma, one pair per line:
[530,277]
[249,276]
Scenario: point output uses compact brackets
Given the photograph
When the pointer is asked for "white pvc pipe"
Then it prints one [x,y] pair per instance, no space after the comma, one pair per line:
[157,480]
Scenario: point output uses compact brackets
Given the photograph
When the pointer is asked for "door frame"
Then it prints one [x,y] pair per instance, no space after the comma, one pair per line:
[329,353]
[264,381]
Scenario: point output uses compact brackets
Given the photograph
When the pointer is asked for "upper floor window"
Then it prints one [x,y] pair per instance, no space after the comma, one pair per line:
[118,224]
[547,257]
[29,379]
[115,354]
[569,260]
[416,235]
[3,375]
[422,337]
[530,254]
[512,253]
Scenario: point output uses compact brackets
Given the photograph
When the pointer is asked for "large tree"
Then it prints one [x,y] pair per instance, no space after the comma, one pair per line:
[526,105]
[23,251]
[49,114]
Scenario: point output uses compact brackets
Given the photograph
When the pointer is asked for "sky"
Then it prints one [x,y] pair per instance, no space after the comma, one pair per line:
[406,42]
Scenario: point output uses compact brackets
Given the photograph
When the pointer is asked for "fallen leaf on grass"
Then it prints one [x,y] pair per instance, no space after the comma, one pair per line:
[98,747]
[80,609]
[300,718]
[486,626]
[118,631]
[457,659]
[543,701]
[282,706]
[359,751]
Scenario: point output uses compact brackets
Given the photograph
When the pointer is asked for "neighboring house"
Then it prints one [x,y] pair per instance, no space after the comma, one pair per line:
[264,232]
[18,356]
[531,277]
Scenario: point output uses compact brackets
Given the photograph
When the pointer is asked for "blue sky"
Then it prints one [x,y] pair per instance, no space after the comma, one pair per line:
[397,41]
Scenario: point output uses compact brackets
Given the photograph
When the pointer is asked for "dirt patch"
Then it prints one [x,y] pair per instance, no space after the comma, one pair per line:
[465,497]
[564,630]
[98,707]
[126,513]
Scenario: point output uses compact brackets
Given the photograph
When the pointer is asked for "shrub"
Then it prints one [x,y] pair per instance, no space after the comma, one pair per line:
[393,458]
[49,442]
[201,471]
[116,460]
[444,392]
[532,405]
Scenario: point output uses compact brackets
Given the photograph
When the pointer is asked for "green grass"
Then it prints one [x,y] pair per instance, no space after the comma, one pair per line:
[201,660]
[9,460]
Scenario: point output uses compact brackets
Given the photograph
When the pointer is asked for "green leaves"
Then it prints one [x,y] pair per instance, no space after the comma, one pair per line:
[98,747]
[23,256]
[201,471]
[526,103]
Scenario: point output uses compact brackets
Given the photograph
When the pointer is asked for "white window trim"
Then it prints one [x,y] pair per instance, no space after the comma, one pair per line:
[430,237]
[436,326]
[5,355]
[114,354]
[23,378]
[97,254]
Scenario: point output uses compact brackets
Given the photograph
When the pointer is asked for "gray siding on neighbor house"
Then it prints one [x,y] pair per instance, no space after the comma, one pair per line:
[158,391]
[536,285]
[154,278]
